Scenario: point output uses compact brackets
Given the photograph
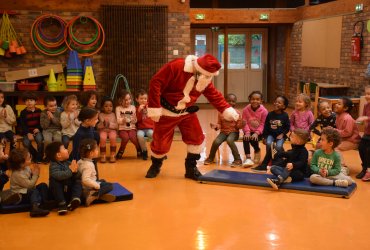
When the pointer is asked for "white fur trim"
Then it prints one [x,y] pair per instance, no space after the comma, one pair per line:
[188,87]
[157,156]
[204,72]
[203,82]
[189,63]
[230,114]
[195,149]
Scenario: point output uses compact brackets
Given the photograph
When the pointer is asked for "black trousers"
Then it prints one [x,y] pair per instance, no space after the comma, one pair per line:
[364,150]
[64,191]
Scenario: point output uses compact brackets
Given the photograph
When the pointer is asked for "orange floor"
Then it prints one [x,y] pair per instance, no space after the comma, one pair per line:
[171,212]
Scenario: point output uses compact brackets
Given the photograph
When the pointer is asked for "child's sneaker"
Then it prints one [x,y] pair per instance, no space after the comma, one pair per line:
[361,174]
[236,163]
[112,159]
[366,176]
[260,168]
[257,157]
[75,203]
[103,158]
[107,197]
[119,155]
[341,183]
[344,170]
[274,183]
[288,180]
[90,198]
[208,161]
[62,208]
[248,163]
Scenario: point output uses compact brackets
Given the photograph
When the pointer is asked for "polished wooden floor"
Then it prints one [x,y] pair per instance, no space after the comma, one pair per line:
[171,212]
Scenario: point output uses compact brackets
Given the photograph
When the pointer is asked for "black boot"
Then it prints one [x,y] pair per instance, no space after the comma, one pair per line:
[144,154]
[155,168]
[192,171]
[38,212]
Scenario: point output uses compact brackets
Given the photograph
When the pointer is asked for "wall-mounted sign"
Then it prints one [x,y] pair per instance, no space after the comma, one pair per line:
[200,16]
[264,16]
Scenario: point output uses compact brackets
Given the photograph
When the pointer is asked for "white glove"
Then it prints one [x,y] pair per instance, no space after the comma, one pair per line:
[155,113]
[230,114]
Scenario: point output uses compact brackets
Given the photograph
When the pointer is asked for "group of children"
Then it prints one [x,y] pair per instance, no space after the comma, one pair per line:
[337,130]
[74,175]
[69,181]
[61,124]
[71,175]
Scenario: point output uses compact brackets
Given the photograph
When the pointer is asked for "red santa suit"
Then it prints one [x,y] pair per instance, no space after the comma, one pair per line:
[180,83]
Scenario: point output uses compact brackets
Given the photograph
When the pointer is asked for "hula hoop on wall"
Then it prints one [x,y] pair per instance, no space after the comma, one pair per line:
[46,44]
[84,48]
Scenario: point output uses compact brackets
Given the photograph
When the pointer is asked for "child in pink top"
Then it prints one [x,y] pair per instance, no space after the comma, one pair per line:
[302,116]
[126,118]
[254,116]
[364,147]
[347,128]
[107,129]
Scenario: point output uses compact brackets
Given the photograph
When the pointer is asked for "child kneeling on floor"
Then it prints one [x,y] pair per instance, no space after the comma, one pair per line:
[64,179]
[325,163]
[93,189]
[292,163]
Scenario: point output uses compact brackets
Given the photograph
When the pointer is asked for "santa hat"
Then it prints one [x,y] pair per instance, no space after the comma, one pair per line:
[207,65]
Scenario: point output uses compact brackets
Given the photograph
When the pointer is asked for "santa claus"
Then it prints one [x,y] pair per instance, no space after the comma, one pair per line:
[173,91]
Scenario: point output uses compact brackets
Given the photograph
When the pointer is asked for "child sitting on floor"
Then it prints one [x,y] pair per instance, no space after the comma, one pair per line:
[291,163]
[93,188]
[229,132]
[276,127]
[325,163]
[254,116]
[64,180]
[23,181]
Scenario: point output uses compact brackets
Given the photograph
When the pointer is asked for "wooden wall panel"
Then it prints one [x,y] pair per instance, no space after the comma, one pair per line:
[87,5]
[244,16]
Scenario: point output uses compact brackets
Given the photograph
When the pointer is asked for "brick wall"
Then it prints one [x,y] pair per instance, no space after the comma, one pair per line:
[350,73]
[178,38]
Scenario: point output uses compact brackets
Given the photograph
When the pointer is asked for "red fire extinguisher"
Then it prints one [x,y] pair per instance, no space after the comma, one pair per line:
[357,41]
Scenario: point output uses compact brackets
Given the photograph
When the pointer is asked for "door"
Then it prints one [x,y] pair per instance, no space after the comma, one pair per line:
[247,57]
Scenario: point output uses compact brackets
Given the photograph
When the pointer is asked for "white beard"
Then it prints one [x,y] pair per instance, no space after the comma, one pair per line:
[203,82]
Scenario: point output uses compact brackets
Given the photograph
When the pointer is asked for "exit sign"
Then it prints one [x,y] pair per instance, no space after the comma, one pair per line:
[264,16]
[359,7]
[200,16]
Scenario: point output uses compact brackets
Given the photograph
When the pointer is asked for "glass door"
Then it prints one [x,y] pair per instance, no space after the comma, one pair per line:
[247,56]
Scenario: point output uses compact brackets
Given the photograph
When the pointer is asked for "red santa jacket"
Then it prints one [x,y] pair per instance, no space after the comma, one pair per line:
[177,83]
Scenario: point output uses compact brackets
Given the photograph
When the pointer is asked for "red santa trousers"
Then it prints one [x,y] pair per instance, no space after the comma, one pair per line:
[191,131]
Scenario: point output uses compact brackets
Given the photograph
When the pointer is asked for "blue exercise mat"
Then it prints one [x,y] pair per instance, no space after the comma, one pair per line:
[259,180]
[121,193]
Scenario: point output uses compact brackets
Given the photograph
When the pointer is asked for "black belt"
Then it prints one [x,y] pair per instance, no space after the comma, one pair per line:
[166,105]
